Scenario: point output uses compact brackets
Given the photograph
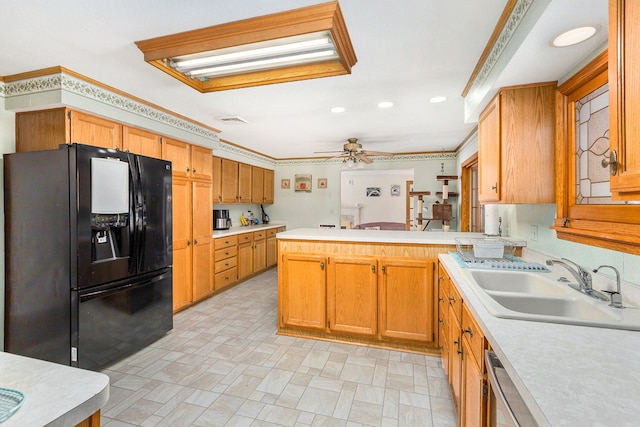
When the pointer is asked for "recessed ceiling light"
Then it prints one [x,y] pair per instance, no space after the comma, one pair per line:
[337,110]
[575,36]
[437,99]
[385,104]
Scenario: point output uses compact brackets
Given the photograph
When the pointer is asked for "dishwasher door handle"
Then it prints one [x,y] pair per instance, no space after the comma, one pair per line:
[494,363]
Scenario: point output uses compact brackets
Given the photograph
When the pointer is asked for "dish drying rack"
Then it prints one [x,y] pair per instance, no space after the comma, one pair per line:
[493,253]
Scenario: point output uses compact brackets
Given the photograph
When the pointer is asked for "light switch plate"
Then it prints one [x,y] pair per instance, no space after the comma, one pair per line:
[533,232]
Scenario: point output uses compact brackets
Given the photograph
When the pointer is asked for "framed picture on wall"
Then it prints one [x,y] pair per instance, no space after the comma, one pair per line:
[373,191]
[322,182]
[285,183]
[395,190]
[303,183]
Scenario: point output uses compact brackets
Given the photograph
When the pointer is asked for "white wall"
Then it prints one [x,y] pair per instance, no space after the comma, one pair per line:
[385,208]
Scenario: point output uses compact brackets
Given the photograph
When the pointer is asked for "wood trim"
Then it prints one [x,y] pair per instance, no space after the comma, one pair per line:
[466,193]
[504,17]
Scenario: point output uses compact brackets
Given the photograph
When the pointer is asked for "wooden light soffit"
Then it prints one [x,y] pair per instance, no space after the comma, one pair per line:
[322,17]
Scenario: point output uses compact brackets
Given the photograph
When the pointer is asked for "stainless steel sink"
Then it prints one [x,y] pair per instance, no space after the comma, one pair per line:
[539,297]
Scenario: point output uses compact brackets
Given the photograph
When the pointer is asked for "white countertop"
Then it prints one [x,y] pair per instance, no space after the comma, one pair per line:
[568,375]
[376,236]
[55,395]
[247,229]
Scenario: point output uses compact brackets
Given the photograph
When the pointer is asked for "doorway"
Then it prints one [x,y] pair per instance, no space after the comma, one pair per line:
[470,209]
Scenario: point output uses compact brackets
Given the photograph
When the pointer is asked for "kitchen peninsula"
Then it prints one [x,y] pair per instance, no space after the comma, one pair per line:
[372,287]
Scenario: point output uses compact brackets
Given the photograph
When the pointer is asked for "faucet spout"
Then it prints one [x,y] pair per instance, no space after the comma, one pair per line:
[582,276]
[616,297]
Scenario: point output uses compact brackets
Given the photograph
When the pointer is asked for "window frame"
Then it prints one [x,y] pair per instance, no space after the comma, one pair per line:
[615,227]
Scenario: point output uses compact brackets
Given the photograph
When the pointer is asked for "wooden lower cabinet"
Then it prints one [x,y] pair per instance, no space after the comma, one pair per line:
[352,289]
[271,248]
[383,300]
[245,259]
[406,293]
[463,356]
[259,251]
[302,291]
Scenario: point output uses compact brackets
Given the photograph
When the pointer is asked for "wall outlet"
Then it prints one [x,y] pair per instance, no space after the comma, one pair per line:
[533,232]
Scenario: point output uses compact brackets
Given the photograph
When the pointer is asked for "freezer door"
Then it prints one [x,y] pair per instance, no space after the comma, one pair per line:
[116,320]
[153,250]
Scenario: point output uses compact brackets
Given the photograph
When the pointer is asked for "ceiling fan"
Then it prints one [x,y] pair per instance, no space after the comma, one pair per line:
[353,152]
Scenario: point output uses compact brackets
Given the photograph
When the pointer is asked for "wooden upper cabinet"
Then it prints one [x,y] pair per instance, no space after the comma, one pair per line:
[216,179]
[244,183]
[96,131]
[624,97]
[516,143]
[142,142]
[47,129]
[229,181]
[201,167]
[257,185]
[268,186]
[177,152]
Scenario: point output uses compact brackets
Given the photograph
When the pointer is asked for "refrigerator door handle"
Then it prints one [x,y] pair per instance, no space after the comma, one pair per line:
[143,219]
[136,218]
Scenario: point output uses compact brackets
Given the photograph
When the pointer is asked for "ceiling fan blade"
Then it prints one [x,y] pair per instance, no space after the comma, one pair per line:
[377,153]
[363,157]
[332,151]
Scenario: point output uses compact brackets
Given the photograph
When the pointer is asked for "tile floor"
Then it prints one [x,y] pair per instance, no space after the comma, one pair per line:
[224,365]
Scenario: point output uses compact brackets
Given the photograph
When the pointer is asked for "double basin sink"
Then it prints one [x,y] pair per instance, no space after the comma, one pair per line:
[538,297]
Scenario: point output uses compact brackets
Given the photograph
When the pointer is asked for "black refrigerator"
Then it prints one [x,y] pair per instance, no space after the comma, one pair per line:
[88,254]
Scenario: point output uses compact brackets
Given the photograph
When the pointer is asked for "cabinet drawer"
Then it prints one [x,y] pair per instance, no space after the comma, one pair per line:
[259,235]
[455,300]
[225,278]
[473,334]
[225,264]
[225,253]
[245,237]
[271,232]
[225,242]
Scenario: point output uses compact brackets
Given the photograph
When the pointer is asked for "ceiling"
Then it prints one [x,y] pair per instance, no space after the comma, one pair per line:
[408,52]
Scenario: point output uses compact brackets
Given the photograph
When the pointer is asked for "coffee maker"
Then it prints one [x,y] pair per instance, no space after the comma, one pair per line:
[221,220]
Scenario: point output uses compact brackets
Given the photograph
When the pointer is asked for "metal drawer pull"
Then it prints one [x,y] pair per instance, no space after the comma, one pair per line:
[468,331]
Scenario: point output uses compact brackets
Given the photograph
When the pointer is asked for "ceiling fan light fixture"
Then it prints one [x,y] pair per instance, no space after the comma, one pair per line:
[298,44]
[574,36]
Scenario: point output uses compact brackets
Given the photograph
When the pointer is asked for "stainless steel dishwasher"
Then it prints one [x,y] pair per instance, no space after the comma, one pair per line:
[506,406]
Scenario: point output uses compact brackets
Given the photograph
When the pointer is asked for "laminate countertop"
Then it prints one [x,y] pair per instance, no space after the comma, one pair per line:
[247,229]
[55,395]
[568,375]
[377,236]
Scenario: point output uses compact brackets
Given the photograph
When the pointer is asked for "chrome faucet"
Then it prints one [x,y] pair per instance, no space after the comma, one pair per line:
[582,276]
[616,296]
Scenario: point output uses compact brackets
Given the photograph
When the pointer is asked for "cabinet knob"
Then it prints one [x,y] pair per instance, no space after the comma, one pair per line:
[187,170]
[441,299]
[194,170]
[468,331]
[452,299]
[195,242]
[611,162]
[188,242]
[322,265]
[373,268]
[495,187]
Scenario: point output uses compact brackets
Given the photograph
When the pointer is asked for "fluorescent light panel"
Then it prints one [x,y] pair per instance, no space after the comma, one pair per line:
[271,54]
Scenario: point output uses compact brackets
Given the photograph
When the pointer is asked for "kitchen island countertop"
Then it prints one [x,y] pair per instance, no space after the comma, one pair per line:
[55,395]
[376,236]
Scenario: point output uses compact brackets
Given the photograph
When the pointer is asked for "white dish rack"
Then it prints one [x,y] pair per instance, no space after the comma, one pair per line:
[493,253]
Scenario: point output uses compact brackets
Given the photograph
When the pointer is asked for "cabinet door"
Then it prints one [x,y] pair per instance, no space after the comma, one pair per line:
[352,295]
[201,166]
[216,179]
[229,181]
[96,131]
[244,183]
[455,359]
[406,292]
[624,96]
[489,152]
[272,251]
[42,130]
[268,186]
[257,185]
[181,198]
[177,152]
[202,240]
[473,401]
[245,260]
[259,255]
[302,291]
[140,141]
